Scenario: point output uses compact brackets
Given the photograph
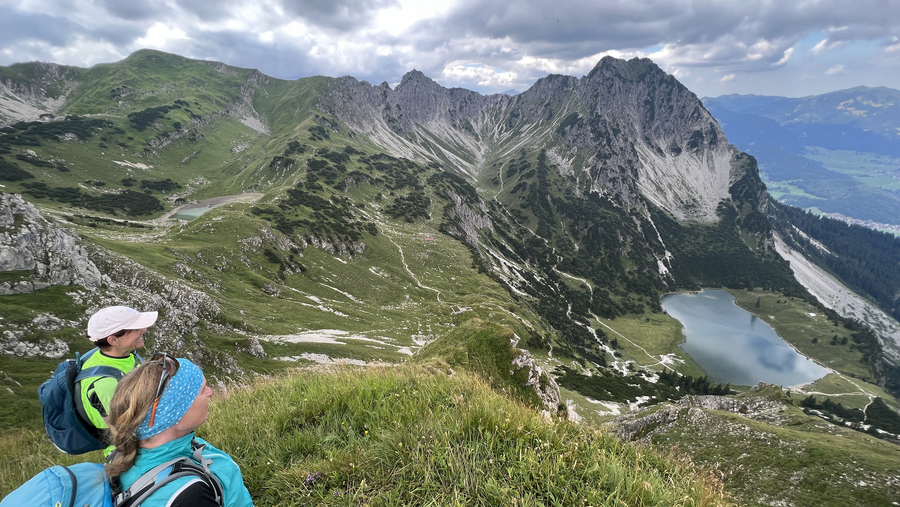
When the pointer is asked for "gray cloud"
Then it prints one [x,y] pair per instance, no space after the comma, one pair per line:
[341,15]
[208,10]
[574,29]
[480,44]
[17,27]
[135,10]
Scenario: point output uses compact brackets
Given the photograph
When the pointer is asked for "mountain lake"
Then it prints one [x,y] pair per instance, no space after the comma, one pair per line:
[193,210]
[733,345]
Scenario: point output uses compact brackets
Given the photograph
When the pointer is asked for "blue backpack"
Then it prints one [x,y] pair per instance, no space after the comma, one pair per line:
[79,485]
[86,485]
[64,417]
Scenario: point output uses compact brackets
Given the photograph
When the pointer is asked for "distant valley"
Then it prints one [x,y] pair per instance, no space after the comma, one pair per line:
[836,153]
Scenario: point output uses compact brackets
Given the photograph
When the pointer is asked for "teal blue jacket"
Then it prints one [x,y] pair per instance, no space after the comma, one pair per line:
[223,467]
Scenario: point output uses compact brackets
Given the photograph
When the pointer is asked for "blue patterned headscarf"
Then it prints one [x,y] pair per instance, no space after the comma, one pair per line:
[177,397]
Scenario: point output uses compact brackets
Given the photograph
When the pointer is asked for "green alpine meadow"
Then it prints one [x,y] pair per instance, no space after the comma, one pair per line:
[418,295]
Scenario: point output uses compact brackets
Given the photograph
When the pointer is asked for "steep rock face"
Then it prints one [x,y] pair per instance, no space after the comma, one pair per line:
[648,128]
[409,119]
[28,100]
[638,132]
[52,256]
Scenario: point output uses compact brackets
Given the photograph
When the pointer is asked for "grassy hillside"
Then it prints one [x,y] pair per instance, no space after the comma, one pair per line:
[769,453]
[412,435]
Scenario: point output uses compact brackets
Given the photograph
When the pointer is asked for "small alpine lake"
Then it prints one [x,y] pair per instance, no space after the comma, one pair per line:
[734,346]
[193,210]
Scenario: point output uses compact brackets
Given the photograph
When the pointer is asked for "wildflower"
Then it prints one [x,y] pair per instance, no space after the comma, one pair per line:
[312,478]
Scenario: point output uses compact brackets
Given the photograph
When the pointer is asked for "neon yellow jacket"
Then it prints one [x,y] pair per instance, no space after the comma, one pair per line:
[97,392]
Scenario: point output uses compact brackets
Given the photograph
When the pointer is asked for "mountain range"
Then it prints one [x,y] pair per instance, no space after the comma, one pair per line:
[352,222]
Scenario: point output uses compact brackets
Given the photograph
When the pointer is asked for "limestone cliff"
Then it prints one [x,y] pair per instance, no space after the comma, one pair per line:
[633,130]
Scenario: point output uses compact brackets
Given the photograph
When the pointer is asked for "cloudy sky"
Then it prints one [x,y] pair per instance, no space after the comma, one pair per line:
[715,47]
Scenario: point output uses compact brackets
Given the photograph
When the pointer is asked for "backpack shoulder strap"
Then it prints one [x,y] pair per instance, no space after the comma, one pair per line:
[94,371]
[99,371]
[74,484]
[154,479]
[81,358]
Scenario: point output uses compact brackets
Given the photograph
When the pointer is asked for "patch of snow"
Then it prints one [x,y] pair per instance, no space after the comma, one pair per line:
[612,408]
[125,163]
[322,359]
[319,336]
[349,296]
[633,406]
[670,359]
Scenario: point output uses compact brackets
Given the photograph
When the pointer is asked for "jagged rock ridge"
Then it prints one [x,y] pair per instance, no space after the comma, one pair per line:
[634,129]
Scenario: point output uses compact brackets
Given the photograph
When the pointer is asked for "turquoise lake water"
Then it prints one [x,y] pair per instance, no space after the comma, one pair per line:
[733,345]
[190,214]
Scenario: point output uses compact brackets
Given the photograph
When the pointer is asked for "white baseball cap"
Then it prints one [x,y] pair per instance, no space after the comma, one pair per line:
[113,319]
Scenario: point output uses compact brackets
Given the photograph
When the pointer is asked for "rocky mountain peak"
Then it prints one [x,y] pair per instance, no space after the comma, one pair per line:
[418,78]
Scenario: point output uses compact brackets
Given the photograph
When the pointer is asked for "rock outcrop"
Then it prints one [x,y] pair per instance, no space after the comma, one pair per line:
[762,403]
[538,379]
[35,255]
[40,255]
[29,100]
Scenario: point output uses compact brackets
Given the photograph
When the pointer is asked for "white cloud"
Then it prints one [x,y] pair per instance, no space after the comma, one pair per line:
[484,76]
[159,36]
[835,70]
[472,42]
[787,56]
[824,45]
[818,48]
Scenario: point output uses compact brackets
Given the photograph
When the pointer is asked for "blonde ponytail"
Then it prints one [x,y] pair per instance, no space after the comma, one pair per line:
[134,396]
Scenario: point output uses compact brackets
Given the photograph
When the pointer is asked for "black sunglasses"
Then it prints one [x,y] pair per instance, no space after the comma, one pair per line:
[162,358]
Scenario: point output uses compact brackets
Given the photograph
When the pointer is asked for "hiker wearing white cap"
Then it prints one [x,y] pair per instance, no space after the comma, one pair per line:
[117,331]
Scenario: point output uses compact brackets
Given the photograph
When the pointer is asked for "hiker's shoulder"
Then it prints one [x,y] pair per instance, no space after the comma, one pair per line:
[98,358]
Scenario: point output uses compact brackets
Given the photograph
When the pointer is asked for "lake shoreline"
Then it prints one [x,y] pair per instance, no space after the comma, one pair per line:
[213,202]
[705,324]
